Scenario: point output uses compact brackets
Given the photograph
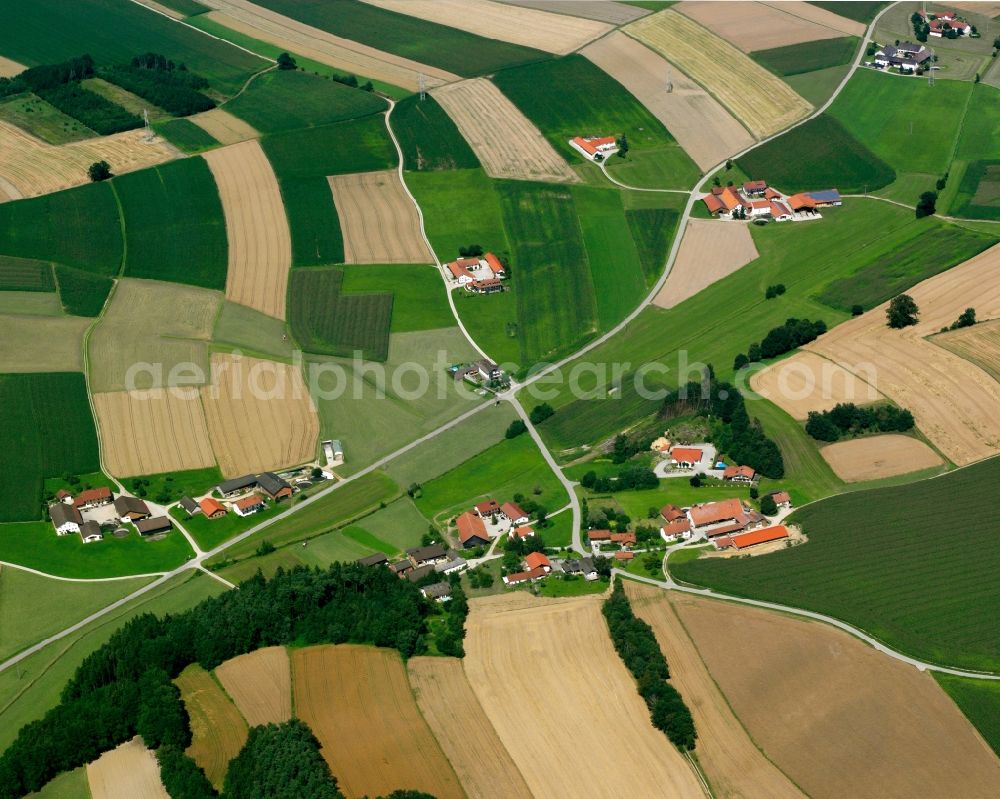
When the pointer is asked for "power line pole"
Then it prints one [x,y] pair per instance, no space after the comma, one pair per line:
[422,83]
[670,80]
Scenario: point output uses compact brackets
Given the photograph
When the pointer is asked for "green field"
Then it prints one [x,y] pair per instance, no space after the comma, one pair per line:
[979,700]
[82,293]
[25,274]
[77,227]
[49,31]
[170,212]
[978,194]
[492,322]
[48,431]
[419,298]
[817,86]
[241,328]
[68,785]
[185,135]
[209,533]
[653,230]
[858,10]
[30,303]
[169,487]
[282,100]
[427,42]
[893,570]
[392,529]
[187,7]
[429,139]
[326,320]
[794,59]
[43,119]
[33,607]
[570,96]
[818,154]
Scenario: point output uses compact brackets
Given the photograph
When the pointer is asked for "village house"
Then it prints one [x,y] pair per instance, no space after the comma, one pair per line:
[782,499]
[247,506]
[624,540]
[584,566]
[488,508]
[420,572]
[755,188]
[93,498]
[739,474]
[537,566]
[333,449]
[401,567]
[91,532]
[188,504]
[460,270]
[743,541]
[431,554]
[489,285]
[212,508]
[521,533]
[671,513]
[538,560]
[685,457]
[515,513]
[726,510]
[940,23]
[377,559]
[679,528]
[455,563]
[273,486]
[905,55]
[471,530]
[439,592]
[65,518]
[488,370]
[594,148]
[598,537]
[495,266]
[131,508]
[153,525]
[230,488]
[623,556]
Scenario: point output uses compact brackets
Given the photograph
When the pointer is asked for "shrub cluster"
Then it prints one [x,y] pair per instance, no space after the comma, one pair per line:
[846,420]
[631,478]
[779,340]
[541,412]
[637,647]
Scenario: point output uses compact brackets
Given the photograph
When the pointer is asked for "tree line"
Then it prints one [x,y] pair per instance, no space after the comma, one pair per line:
[779,340]
[846,420]
[156,78]
[630,478]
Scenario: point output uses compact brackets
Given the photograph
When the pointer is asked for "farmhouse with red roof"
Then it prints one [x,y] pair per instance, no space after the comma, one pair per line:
[595,148]
[685,457]
[744,540]
[471,530]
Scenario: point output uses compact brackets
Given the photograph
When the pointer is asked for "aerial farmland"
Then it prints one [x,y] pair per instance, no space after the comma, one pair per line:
[499,398]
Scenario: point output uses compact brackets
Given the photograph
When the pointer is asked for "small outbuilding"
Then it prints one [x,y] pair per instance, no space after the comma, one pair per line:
[153,525]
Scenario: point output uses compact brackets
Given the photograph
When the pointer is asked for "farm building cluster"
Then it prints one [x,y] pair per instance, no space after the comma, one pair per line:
[243,496]
[95,511]
[727,523]
[479,274]
[905,56]
[945,24]
[595,148]
[756,200]
[488,520]
[420,563]
[483,372]
[537,566]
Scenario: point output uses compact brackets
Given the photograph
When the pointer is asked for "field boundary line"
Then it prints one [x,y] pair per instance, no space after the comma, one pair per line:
[216,576]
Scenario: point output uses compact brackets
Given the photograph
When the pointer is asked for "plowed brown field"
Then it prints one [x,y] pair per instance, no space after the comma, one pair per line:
[447,702]
[378,220]
[956,404]
[505,141]
[879,456]
[358,703]
[42,343]
[29,166]
[260,683]
[260,244]
[218,730]
[129,771]
[814,13]
[224,127]
[281,31]
[710,250]
[837,716]
[808,382]
[151,432]
[699,123]
[734,765]
[553,33]
[760,100]
[563,703]
[260,415]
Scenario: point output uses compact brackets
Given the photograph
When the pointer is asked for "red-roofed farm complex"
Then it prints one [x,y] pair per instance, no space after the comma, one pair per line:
[479,274]
[756,200]
[595,148]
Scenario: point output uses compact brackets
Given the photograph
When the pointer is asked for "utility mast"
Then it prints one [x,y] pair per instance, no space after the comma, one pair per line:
[670,81]
[149,131]
[422,83]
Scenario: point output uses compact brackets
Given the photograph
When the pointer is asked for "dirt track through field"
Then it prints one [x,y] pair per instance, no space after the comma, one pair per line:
[378,220]
[503,138]
[447,702]
[710,250]
[152,432]
[223,126]
[42,343]
[875,457]
[734,765]
[218,730]
[319,45]
[809,382]
[601,10]
[260,684]
[761,26]
[259,414]
[956,404]
[760,100]
[564,704]
[699,123]
[129,771]
[260,244]
[553,33]
[29,166]
[9,68]
[838,717]
[358,702]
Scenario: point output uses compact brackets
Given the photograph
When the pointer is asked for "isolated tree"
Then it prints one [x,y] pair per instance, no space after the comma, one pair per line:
[98,171]
[966,319]
[622,144]
[857,310]
[902,312]
[515,428]
[729,164]
[285,61]
[768,506]
[927,204]
[540,413]
[695,481]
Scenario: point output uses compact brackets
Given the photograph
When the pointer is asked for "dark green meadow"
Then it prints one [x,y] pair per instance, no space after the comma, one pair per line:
[794,59]
[978,194]
[979,700]
[429,139]
[653,229]
[185,135]
[419,300]
[913,565]
[25,274]
[174,224]
[48,431]
[858,10]
[82,293]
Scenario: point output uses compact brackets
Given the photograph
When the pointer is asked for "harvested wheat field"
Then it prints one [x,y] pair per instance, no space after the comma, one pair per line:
[875,457]
[162,9]
[837,716]
[129,771]
[149,432]
[956,404]
[260,683]
[260,244]
[319,45]
[29,166]
[601,10]
[808,382]
[9,68]
[734,765]
[42,343]
[553,33]
[378,220]
[358,702]
[503,138]
[987,9]
[709,251]
[218,730]
[224,127]
[447,702]
[979,344]
[563,703]
[260,415]
[760,100]
[761,26]
[699,123]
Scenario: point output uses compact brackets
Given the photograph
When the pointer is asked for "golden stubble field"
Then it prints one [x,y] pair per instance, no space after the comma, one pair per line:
[223,126]
[837,716]
[759,99]
[710,250]
[979,344]
[699,123]
[358,702]
[260,244]
[563,703]
[874,457]
[378,220]
[260,684]
[9,68]
[129,771]
[503,138]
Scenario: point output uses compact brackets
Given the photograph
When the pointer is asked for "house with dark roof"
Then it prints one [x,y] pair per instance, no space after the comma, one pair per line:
[237,485]
[273,486]
[488,370]
[131,508]
[455,563]
[439,592]
[906,56]
[755,187]
[378,559]
[488,285]
[189,505]
[154,525]
[400,567]
[65,518]
[91,532]
[420,572]
[433,553]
